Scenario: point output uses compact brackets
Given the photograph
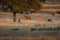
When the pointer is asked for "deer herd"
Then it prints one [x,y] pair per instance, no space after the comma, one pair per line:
[27,17]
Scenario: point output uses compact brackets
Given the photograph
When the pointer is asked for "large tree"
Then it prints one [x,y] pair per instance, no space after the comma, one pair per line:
[21,5]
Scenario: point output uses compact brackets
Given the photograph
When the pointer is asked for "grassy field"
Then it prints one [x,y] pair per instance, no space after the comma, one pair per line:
[28,34]
[22,30]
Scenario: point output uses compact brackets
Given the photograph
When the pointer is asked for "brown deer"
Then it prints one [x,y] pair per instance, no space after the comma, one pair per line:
[27,17]
[40,19]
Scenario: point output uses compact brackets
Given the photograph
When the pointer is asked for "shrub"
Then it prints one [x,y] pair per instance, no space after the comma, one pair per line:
[33,29]
[15,29]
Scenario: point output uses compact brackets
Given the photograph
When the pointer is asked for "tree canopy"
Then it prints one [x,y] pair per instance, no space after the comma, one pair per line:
[19,5]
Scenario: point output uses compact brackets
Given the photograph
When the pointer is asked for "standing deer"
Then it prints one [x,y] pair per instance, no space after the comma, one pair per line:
[27,17]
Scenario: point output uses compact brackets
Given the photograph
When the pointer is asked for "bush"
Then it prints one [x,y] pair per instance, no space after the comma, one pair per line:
[42,29]
[15,29]
[58,28]
[33,29]
[39,29]
[50,29]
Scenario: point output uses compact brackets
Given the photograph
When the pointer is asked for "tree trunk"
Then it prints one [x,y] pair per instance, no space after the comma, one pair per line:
[14,17]
[14,13]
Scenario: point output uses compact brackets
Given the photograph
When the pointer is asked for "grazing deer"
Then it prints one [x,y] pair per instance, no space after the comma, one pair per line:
[27,17]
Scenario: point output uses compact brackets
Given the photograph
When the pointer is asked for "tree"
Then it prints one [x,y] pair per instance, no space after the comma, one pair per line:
[21,5]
